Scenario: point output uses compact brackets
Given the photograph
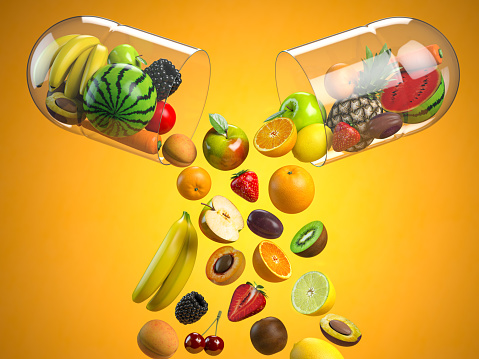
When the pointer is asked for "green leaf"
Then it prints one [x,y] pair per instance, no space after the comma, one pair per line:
[142,60]
[384,48]
[369,53]
[236,175]
[276,115]
[219,123]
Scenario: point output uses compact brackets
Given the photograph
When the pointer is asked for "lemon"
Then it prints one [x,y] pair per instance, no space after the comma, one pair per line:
[312,348]
[313,142]
[313,294]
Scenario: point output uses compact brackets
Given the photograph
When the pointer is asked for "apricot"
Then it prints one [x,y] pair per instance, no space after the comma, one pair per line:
[179,150]
[157,339]
[225,265]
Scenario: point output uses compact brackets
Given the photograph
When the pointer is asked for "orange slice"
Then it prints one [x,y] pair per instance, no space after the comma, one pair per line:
[276,137]
[270,262]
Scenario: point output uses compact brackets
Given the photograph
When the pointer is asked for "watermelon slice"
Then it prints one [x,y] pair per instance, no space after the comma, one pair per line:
[416,97]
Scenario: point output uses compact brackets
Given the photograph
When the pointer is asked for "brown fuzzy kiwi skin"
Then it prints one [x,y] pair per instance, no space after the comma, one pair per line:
[317,247]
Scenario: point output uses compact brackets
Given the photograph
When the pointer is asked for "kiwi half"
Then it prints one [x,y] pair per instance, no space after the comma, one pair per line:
[310,240]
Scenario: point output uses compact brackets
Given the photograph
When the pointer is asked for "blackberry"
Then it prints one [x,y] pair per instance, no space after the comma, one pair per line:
[166,78]
[191,308]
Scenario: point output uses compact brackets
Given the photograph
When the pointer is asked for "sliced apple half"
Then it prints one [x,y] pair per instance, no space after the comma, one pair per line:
[220,220]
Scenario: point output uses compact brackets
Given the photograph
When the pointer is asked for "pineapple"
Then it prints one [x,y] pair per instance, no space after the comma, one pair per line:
[359,108]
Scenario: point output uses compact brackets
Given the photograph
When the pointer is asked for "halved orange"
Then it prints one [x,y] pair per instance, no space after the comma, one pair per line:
[270,262]
[276,137]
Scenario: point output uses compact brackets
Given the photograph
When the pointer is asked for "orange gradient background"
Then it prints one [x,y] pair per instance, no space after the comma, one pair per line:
[80,221]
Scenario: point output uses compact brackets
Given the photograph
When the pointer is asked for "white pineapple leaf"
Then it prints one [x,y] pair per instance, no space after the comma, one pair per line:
[366,65]
[381,60]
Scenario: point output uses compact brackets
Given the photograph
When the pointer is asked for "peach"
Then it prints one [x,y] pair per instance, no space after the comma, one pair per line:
[157,339]
[225,265]
[179,150]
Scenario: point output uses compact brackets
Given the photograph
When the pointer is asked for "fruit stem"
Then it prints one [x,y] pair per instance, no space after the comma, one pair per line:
[207,205]
[215,321]
[289,108]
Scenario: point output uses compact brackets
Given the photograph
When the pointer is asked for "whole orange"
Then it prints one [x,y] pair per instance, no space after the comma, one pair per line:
[193,183]
[291,189]
[340,80]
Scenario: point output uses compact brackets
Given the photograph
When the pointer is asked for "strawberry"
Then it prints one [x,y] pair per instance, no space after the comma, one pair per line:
[344,137]
[248,300]
[245,184]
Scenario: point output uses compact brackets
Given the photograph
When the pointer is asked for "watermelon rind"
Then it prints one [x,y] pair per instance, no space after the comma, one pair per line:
[119,100]
[428,108]
[423,110]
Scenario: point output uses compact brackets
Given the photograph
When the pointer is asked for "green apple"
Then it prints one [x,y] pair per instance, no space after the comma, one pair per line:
[125,54]
[225,146]
[303,109]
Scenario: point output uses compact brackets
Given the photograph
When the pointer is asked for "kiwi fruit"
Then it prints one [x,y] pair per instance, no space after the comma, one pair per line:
[310,240]
[269,335]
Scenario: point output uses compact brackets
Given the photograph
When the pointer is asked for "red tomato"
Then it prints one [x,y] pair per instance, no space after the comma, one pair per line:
[167,117]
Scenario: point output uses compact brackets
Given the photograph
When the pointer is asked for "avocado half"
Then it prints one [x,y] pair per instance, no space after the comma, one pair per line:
[63,109]
[340,330]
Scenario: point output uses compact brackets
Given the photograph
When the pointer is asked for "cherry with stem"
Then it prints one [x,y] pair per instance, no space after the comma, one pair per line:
[212,345]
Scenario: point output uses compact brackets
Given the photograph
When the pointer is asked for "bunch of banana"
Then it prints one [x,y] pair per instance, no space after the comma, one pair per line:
[171,266]
[72,57]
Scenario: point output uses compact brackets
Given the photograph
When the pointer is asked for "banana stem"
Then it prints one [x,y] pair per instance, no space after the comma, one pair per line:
[215,321]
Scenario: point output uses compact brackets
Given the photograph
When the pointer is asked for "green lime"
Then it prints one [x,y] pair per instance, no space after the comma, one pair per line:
[313,294]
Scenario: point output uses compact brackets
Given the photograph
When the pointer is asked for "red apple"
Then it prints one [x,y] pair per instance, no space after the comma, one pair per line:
[163,119]
[220,220]
[225,146]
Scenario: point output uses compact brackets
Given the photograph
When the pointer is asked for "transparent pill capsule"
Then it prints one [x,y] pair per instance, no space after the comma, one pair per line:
[120,86]
[366,86]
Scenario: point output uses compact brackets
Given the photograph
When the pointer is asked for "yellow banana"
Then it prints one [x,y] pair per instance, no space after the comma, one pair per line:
[164,260]
[72,85]
[67,55]
[96,60]
[179,275]
[46,58]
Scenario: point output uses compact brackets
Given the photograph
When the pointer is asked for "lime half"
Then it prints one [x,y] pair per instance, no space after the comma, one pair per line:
[313,294]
